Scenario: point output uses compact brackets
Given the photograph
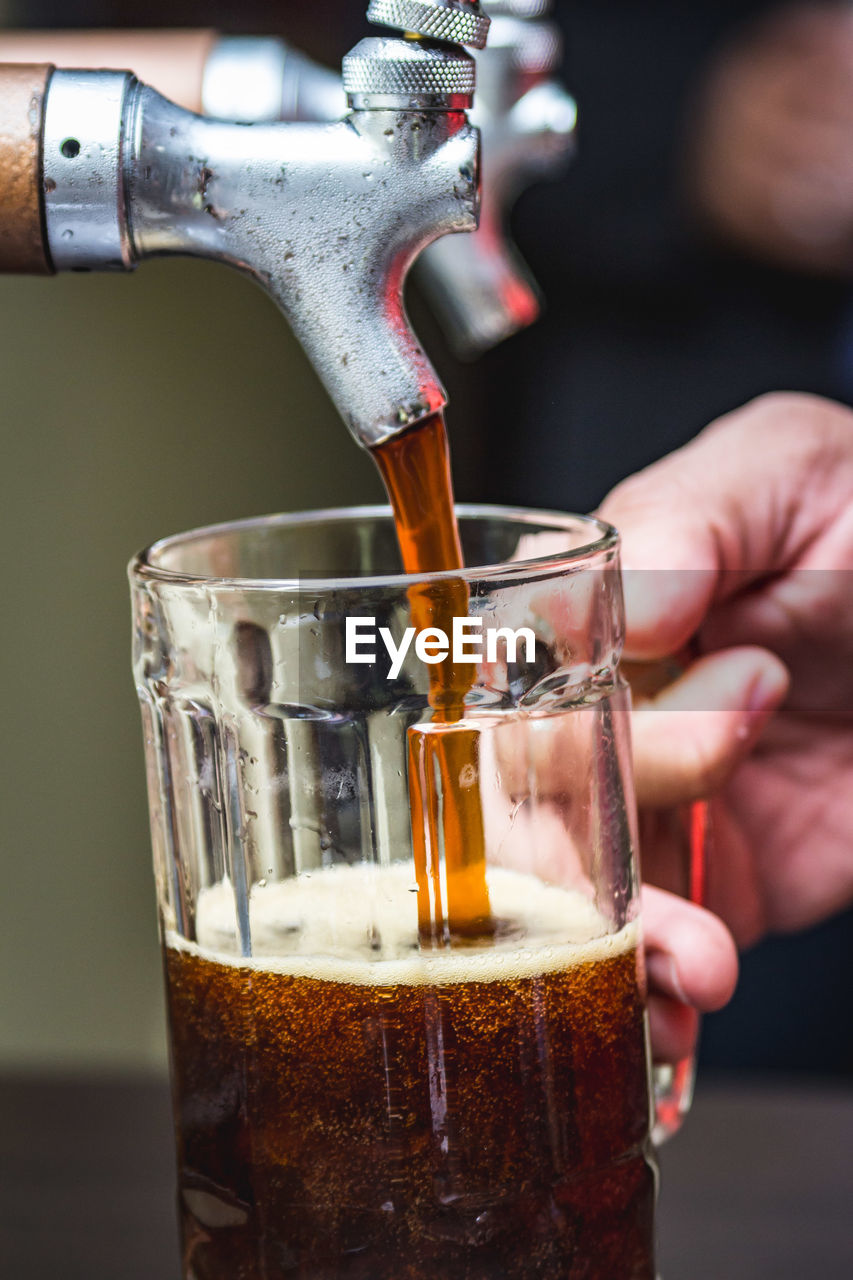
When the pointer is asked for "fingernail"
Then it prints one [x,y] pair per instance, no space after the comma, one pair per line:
[766,692]
[664,976]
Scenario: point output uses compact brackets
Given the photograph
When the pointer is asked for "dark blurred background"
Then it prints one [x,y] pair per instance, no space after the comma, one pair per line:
[698,252]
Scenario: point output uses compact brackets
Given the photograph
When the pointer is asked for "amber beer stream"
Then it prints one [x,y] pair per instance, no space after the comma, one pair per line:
[443,765]
[356,1096]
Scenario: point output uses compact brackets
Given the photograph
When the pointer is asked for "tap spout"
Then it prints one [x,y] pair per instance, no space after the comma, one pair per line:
[328,218]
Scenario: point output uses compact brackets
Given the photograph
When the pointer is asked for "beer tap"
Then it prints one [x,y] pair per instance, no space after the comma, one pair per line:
[101,172]
[480,288]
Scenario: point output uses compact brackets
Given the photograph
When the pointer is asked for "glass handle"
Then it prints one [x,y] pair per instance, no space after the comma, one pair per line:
[673,1095]
[673,1082]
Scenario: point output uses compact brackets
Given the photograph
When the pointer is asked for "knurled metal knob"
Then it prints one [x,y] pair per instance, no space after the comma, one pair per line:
[383,68]
[455,21]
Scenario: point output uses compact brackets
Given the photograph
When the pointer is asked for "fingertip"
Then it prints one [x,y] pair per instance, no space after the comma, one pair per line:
[707,962]
[770,685]
[744,677]
[691,956]
[673,1029]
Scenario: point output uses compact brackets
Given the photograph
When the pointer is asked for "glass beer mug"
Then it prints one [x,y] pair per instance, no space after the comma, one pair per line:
[360,1089]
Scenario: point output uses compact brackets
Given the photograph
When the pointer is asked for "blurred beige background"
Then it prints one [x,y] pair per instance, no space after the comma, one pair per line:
[133,406]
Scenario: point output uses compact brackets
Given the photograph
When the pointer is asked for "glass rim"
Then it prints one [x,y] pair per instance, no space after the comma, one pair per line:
[143,566]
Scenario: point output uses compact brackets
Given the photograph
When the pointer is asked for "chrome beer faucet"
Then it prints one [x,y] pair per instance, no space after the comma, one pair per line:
[480,288]
[327,217]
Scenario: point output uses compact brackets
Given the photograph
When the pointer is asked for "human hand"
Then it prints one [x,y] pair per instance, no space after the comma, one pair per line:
[771,156]
[742,542]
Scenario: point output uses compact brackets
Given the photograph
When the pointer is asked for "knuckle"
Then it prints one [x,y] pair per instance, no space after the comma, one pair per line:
[809,433]
[802,413]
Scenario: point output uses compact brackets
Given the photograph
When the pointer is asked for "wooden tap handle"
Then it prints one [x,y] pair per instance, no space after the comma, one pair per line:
[23,240]
[172,62]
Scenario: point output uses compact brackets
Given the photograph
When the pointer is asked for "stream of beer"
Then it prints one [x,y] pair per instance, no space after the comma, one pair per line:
[443,755]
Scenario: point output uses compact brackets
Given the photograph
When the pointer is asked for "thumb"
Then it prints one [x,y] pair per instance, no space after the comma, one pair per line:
[738,503]
[688,739]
